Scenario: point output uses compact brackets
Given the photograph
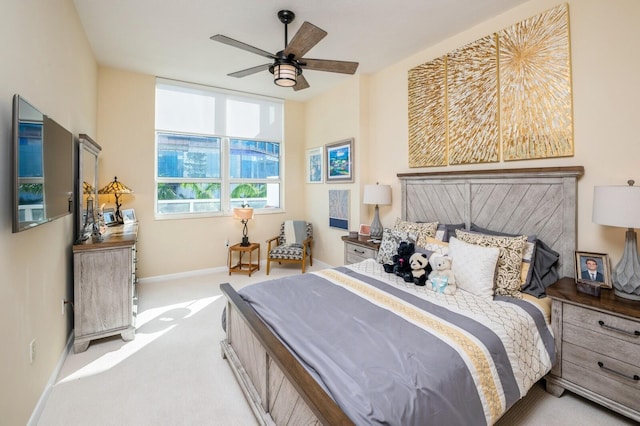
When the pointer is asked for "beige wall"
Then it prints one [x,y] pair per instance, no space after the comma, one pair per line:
[46,59]
[605,44]
[126,132]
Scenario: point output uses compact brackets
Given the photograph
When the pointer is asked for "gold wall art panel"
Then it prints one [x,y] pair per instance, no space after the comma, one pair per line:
[504,97]
[535,87]
[472,96]
[427,115]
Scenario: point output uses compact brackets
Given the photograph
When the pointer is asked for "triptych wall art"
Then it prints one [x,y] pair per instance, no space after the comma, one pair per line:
[506,96]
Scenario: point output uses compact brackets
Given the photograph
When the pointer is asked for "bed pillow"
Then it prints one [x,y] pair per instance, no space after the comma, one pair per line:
[446,231]
[422,230]
[474,266]
[509,262]
[528,255]
[389,244]
[436,246]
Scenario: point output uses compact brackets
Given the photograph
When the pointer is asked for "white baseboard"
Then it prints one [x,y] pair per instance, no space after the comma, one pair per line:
[199,272]
[37,411]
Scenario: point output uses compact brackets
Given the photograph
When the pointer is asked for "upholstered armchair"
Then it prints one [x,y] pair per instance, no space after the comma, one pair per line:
[292,245]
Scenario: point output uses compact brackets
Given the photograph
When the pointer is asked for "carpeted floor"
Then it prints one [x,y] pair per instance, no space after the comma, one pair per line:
[173,374]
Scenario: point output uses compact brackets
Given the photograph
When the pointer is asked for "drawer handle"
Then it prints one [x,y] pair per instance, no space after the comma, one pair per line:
[633,378]
[359,251]
[635,333]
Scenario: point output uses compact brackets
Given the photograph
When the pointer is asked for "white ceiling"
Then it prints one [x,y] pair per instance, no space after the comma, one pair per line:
[170,38]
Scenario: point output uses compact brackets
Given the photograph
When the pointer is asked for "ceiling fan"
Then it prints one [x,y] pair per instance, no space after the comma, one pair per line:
[288,64]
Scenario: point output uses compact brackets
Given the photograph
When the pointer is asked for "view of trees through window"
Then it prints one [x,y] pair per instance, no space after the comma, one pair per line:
[197,172]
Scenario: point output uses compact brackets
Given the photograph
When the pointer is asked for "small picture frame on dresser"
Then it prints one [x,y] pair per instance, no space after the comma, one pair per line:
[593,269]
[365,230]
[129,216]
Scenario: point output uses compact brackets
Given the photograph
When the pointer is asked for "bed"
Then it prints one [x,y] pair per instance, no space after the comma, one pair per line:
[483,355]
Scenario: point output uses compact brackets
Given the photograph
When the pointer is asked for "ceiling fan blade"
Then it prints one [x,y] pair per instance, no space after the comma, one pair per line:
[307,36]
[343,67]
[249,71]
[235,43]
[301,83]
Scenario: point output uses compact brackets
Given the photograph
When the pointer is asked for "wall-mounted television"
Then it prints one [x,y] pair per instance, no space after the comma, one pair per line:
[42,167]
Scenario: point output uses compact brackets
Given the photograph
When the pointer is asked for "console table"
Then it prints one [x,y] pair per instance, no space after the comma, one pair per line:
[104,278]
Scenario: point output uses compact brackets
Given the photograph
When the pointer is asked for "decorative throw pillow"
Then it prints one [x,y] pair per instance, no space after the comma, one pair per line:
[446,231]
[474,266]
[509,261]
[527,255]
[389,245]
[436,246]
[421,230]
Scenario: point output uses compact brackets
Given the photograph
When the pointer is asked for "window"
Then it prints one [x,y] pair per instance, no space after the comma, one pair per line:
[216,150]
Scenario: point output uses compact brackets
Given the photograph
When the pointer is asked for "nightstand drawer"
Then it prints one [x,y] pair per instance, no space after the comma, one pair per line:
[354,253]
[602,323]
[601,343]
[613,380]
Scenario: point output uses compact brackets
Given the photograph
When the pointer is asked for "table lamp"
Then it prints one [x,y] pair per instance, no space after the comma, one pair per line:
[116,188]
[620,206]
[379,195]
[244,213]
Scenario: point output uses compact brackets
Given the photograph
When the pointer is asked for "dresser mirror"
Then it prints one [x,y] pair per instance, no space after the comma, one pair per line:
[87,193]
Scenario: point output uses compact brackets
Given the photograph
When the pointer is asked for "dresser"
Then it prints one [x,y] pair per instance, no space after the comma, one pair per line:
[597,347]
[104,287]
[359,249]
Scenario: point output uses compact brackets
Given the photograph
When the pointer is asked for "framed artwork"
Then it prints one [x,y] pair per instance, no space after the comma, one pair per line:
[593,268]
[314,165]
[339,161]
[109,218]
[128,216]
[339,208]
[365,230]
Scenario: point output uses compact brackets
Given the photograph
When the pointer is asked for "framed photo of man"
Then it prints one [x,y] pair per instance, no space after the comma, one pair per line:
[593,268]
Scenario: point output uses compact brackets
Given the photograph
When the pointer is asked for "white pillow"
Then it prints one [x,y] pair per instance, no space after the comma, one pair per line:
[474,266]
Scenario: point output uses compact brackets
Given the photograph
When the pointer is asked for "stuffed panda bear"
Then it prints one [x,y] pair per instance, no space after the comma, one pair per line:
[420,268]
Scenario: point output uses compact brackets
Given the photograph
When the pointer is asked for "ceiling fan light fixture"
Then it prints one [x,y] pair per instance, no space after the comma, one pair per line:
[285,75]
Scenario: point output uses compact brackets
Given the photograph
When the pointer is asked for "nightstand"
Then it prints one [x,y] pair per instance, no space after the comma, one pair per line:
[244,267]
[597,347]
[359,249]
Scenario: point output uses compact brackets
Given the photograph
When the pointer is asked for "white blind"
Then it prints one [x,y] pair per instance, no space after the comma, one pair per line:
[183,107]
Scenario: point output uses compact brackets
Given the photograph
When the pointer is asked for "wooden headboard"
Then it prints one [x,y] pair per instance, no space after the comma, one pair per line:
[533,201]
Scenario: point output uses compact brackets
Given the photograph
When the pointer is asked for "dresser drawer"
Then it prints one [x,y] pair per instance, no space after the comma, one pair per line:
[354,253]
[608,377]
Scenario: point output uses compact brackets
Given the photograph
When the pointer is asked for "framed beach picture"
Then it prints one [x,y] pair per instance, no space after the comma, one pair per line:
[339,160]
[314,165]
[128,216]
[593,268]
[339,208]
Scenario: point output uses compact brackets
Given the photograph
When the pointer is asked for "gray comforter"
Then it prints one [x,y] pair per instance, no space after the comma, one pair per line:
[388,354]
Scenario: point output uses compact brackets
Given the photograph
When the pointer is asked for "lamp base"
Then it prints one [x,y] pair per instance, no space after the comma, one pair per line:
[376,227]
[245,242]
[626,277]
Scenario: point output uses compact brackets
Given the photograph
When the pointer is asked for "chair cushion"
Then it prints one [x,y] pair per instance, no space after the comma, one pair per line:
[286,252]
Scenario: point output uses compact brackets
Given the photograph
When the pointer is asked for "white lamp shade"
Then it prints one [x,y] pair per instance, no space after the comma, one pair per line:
[243,213]
[617,206]
[377,194]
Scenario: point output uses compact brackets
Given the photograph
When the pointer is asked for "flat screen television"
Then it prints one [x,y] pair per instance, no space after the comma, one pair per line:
[42,167]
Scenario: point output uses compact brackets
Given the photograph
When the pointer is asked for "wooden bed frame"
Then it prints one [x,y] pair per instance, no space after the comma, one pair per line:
[533,201]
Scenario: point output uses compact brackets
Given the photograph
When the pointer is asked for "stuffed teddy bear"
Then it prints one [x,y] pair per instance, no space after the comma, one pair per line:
[442,278]
[400,265]
[420,268]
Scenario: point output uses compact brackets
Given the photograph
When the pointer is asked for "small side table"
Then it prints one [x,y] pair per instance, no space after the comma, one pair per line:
[246,267]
